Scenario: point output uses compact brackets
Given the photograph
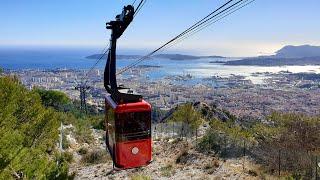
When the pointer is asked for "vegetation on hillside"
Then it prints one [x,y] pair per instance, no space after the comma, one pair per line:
[287,144]
[29,130]
[56,99]
[290,142]
[189,118]
[29,133]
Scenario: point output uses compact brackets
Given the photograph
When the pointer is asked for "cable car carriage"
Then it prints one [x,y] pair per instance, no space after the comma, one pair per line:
[127,115]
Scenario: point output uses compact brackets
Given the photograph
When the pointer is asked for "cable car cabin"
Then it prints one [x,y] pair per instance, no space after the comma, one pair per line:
[128,130]
[128,117]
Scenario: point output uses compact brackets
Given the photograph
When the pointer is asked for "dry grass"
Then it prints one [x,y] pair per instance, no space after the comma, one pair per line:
[167,170]
[140,177]
[95,157]
[211,167]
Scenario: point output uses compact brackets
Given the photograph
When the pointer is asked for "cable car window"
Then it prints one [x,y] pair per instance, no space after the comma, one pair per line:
[134,126]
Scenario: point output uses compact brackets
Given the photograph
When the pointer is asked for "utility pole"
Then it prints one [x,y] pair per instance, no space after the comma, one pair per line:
[83,89]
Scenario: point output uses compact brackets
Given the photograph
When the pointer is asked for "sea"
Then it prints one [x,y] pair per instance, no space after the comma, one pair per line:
[59,58]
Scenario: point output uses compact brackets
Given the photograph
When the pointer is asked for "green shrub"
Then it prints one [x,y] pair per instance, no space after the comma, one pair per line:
[29,132]
[83,131]
[95,157]
[212,141]
[68,156]
[65,142]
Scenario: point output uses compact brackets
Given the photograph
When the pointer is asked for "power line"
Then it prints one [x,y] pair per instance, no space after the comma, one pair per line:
[212,21]
[193,29]
[199,23]
[134,2]
[106,49]
[141,4]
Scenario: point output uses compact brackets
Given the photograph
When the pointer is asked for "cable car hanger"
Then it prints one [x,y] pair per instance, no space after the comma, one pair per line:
[117,27]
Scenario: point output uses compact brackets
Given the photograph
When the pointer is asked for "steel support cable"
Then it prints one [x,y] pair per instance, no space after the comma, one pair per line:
[180,35]
[199,23]
[134,2]
[141,4]
[194,31]
[105,50]
[203,19]
[212,21]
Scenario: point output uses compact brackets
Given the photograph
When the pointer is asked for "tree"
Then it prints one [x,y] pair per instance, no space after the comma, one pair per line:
[188,117]
[29,132]
[57,100]
[289,141]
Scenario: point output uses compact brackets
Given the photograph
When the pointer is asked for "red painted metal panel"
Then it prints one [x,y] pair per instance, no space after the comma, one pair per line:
[126,158]
[133,107]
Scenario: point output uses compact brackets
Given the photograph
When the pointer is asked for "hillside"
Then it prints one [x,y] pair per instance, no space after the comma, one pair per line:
[176,154]
[273,61]
[194,140]
[286,56]
[298,51]
[29,133]
[167,165]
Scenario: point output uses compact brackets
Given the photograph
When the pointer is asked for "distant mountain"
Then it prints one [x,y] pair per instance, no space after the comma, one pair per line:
[164,56]
[298,51]
[288,55]
[183,57]
[267,61]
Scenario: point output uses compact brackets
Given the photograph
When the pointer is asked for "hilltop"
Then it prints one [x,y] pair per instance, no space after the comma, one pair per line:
[288,55]
[298,51]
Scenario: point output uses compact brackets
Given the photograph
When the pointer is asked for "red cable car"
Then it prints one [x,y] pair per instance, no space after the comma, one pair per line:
[127,115]
[128,133]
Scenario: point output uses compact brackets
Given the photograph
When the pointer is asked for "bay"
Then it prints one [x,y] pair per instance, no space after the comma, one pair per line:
[15,59]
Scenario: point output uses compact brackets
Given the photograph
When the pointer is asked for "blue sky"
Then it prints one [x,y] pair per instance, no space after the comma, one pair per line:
[260,28]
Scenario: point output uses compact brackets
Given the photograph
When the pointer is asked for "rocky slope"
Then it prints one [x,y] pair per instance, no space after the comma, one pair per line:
[208,111]
[174,160]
